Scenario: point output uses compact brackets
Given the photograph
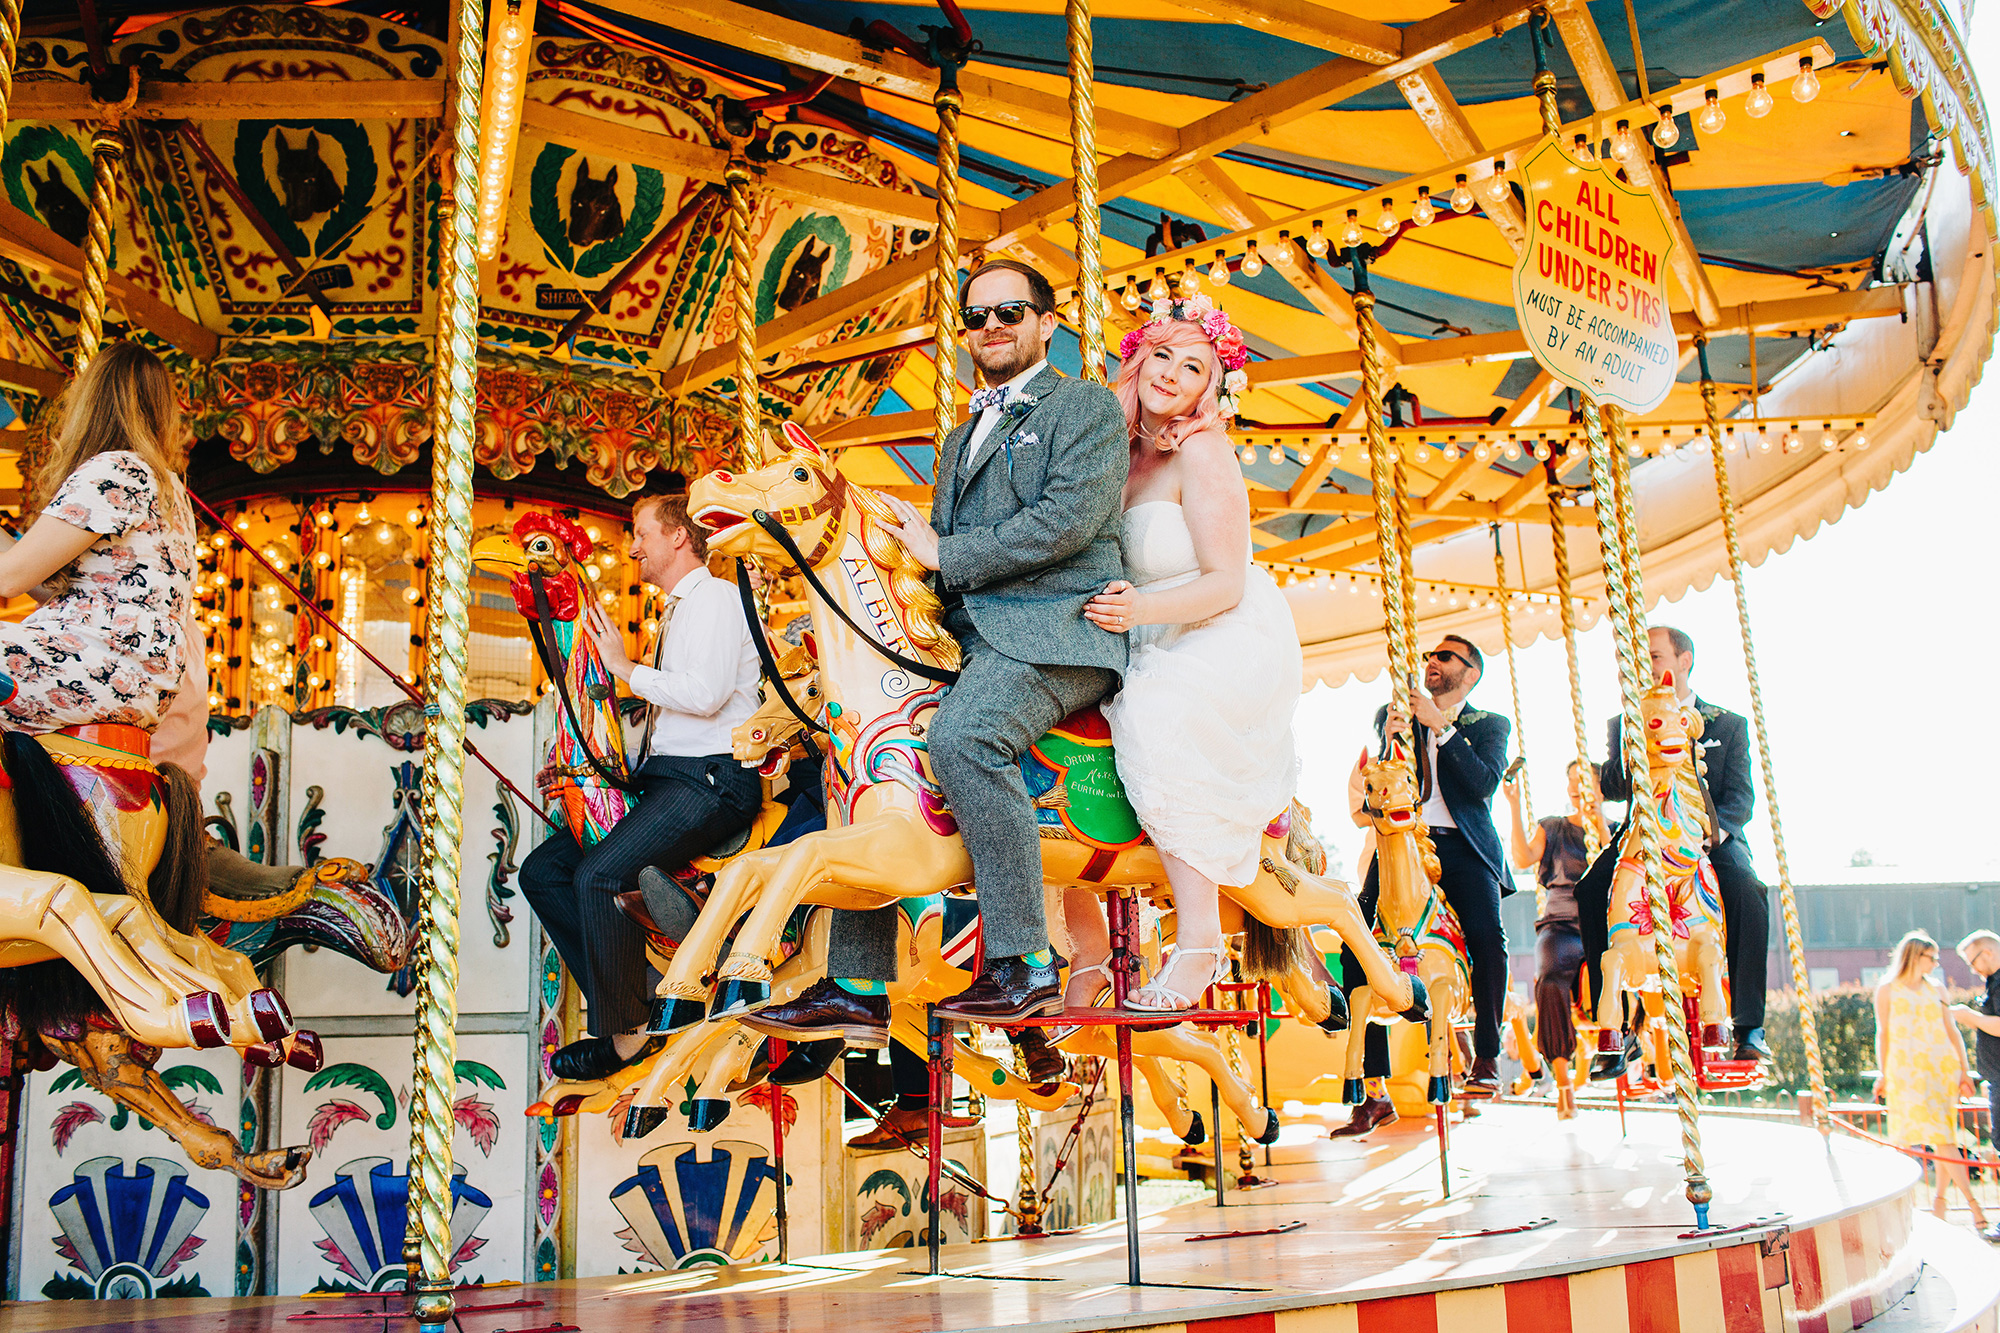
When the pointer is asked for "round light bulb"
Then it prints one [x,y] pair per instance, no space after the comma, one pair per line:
[1249,453]
[414,518]
[1190,275]
[1283,254]
[1218,272]
[1623,146]
[1253,263]
[1451,454]
[324,519]
[1387,223]
[322,559]
[1156,290]
[1481,453]
[1667,133]
[1510,451]
[1763,441]
[1494,187]
[1461,196]
[411,595]
[1859,439]
[1712,117]
[1422,213]
[1316,244]
[1276,454]
[1792,441]
[1757,103]
[361,516]
[243,522]
[1423,454]
[1350,231]
[1826,440]
[1806,86]
[1129,298]
[1584,150]
[383,534]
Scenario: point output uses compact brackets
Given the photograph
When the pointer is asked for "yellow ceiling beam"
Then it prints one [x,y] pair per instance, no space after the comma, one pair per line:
[1307,24]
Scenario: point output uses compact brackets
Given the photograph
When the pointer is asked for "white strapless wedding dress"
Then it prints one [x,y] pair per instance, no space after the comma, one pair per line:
[1203,723]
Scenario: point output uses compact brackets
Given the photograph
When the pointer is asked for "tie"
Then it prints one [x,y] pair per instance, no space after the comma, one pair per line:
[985,398]
[659,647]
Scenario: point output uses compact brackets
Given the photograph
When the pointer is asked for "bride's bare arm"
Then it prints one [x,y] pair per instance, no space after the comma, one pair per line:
[1217,510]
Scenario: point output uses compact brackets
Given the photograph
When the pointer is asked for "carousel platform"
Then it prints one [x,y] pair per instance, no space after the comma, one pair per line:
[1548,1228]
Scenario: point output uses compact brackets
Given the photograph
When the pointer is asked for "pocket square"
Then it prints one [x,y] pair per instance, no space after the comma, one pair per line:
[1027,438]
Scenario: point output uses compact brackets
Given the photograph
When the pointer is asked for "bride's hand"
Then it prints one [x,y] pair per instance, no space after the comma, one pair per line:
[1115,609]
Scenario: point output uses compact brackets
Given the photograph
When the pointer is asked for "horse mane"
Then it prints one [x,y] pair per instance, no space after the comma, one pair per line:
[909,582]
[1302,845]
[1428,854]
[180,877]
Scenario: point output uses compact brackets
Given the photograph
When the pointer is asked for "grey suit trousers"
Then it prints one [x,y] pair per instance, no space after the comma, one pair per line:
[998,708]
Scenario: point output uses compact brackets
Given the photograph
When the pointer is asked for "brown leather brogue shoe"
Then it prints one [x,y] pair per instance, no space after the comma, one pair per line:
[1369,1115]
[905,1127]
[824,1010]
[1045,1062]
[1009,989]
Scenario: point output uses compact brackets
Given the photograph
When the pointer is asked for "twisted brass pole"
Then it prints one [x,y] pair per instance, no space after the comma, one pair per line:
[1083,168]
[10,39]
[1618,533]
[749,430]
[1788,900]
[107,155]
[1514,689]
[450,577]
[1407,561]
[1381,476]
[1028,1199]
[1559,544]
[944,281]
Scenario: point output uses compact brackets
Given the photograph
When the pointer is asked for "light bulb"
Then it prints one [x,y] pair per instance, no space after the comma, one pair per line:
[1712,117]
[1757,103]
[1421,212]
[1190,275]
[1667,133]
[243,522]
[1510,451]
[1386,223]
[415,518]
[324,519]
[1451,453]
[1763,440]
[1249,453]
[322,559]
[1129,298]
[1316,245]
[1283,254]
[1156,290]
[1584,151]
[1277,453]
[320,642]
[1481,453]
[1792,441]
[1623,146]
[1218,272]
[1423,454]
[1806,86]
[383,534]
[1253,263]
[1859,439]
[271,554]
[1542,450]
[411,595]
[1826,440]
[361,516]
[1350,231]
[1461,197]
[1494,187]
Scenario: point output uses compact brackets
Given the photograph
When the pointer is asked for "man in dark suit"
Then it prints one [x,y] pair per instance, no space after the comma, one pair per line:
[1461,754]
[1746,907]
[1023,530]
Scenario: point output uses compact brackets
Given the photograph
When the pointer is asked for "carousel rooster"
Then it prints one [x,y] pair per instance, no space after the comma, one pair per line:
[586,769]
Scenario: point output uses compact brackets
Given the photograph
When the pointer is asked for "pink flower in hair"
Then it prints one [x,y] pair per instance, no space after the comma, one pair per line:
[1130,344]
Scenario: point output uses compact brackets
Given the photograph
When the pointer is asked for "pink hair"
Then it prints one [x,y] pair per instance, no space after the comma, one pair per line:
[1207,414]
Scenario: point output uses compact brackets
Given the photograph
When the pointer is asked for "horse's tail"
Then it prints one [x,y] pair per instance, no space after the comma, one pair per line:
[1271,954]
[181,876]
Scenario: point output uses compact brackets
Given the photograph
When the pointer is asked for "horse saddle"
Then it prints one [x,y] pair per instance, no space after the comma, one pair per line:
[108,764]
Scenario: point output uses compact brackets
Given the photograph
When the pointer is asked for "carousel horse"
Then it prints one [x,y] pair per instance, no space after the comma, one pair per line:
[1412,918]
[1694,908]
[891,835]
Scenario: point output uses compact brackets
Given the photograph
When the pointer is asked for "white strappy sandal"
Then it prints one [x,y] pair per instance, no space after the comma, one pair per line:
[1058,1034]
[1153,990]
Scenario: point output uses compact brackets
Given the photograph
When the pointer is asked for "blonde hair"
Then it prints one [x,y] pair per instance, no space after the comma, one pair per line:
[1207,413]
[671,511]
[909,582]
[123,400]
[1907,950]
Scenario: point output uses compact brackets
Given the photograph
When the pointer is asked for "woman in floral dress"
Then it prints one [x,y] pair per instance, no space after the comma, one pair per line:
[111,557]
[1923,1066]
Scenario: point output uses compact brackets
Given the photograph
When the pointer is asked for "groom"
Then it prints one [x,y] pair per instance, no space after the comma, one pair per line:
[1023,531]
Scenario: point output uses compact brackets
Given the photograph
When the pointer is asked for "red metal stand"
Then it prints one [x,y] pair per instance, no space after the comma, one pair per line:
[776,1056]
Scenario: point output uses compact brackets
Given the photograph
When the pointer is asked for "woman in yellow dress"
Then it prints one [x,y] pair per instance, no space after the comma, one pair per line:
[1923,1065]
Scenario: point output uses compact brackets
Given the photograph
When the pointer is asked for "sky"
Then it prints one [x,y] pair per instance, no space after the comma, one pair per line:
[1873,638]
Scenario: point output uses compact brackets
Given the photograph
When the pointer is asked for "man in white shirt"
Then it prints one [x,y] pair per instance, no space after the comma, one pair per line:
[701,683]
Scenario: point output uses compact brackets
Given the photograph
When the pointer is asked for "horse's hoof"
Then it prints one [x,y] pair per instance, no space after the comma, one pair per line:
[1353,1092]
[806,1062]
[707,1113]
[208,1020]
[1271,1130]
[1711,1035]
[675,1015]
[643,1120]
[1440,1090]
[1420,1002]
[1339,1019]
[296,1158]
[307,1052]
[264,1055]
[1197,1131]
[735,997]
[272,1016]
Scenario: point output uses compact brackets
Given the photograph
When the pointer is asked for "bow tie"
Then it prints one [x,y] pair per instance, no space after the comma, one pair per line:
[985,398]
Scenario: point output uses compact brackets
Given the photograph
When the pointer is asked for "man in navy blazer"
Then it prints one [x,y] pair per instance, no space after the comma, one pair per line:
[1461,755]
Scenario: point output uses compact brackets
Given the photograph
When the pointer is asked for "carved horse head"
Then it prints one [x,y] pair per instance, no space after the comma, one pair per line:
[800,487]
[1670,728]
[1392,794]
[767,736]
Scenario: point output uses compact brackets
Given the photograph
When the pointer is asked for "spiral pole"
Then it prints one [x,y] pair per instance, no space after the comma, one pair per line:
[1794,938]
[1028,1222]
[1406,559]
[1083,169]
[944,293]
[1382,478]
[1618,532]
[10,41]
[107,157]
[749,430]
[1514,690]
[1559,543]
[450,577]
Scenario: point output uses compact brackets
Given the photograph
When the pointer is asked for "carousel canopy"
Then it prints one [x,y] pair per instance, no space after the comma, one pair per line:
[276,234]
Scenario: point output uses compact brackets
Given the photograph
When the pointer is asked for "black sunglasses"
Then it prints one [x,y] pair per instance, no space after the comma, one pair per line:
[1444,654]
[1010,313]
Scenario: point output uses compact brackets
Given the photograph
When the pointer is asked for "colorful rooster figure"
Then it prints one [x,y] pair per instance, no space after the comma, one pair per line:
[545,559]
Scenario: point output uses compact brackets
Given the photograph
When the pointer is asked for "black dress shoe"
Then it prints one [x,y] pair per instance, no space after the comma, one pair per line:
[1371,1114]
[1750,1045]
[1483,1079]
[1009,989]
[1610,1065]
[825,1010]
[596,1058]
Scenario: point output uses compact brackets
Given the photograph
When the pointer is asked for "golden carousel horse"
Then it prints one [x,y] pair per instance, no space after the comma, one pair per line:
[1694,909]
[1412,918]
[102,962]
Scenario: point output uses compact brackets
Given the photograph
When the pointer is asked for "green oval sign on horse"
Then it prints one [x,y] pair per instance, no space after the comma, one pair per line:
[1590,285]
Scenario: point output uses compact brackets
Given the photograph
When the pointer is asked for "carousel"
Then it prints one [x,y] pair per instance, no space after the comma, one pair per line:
[1551,311]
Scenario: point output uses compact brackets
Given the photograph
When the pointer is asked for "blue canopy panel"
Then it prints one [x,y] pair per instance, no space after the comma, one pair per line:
[1794,227]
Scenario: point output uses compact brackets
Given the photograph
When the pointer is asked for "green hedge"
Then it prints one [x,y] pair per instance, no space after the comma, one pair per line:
[1846,1019]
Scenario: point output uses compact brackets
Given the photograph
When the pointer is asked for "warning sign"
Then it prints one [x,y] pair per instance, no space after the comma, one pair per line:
[1590,287]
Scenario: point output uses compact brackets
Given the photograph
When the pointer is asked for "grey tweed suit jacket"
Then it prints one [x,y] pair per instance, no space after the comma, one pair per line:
[1030,532]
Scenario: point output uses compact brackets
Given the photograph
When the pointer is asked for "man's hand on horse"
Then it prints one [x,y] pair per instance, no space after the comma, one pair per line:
[915,532]
[610,643]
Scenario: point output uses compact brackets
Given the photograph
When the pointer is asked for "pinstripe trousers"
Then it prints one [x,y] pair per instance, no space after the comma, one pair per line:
[687,806]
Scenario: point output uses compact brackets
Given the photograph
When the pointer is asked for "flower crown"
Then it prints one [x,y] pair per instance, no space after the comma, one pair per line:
[1217,328]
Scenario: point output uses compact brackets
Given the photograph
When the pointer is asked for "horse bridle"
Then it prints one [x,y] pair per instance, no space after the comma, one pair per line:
[545,612]
[770,663]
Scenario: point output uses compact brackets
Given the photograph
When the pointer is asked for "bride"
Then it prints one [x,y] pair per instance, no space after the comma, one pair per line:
[1203,723]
